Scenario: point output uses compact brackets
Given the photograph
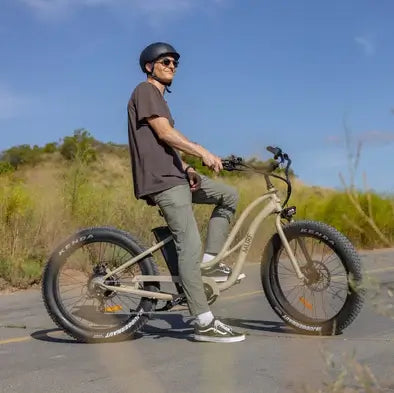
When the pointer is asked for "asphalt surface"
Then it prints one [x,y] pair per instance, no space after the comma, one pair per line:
[36,357]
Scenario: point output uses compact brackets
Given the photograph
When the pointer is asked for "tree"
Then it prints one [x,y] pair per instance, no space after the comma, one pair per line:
[22,154]
[5,167]
[79,147]
[50,147]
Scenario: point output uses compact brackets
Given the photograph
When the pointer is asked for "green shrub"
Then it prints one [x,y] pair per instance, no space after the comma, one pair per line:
[50,147]
[34,219]
[6,167]
[5,268]
[15,201]
[78,147]
[31,270]
[335,209]
[22,154]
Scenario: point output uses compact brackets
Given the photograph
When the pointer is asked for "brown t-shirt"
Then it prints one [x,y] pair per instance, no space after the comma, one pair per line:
[156,166]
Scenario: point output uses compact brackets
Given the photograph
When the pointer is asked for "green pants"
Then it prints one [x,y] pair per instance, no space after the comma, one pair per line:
[176,205]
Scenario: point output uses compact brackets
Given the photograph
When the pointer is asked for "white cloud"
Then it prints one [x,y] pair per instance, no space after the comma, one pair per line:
[12,104]
[367,44]
[56,7]
[154,9]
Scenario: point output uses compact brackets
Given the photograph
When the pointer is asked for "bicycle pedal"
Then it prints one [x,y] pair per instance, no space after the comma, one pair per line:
[240,277]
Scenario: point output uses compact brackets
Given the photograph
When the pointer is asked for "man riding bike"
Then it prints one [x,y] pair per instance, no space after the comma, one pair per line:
[161,178]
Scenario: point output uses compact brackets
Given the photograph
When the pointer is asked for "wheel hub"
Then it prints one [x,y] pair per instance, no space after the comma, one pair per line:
[96,282]
[317,276]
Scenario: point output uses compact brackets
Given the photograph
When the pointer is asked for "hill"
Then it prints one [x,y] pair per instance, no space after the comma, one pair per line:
[47,193]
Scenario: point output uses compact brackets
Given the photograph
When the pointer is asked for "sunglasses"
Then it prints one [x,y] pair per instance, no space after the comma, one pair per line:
[166,62]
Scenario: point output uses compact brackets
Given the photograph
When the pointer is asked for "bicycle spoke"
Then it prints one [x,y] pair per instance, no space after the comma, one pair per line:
[68,290]
[289,270]
[67,285]
[331,259]
[91,306]
[323,252]
[324,291]
[74,303]
[314,307]
[295,297]
[335,294]
[72,278]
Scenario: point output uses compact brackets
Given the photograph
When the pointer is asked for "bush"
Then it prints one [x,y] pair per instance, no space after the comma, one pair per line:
[50,147]
[22,154]
[78,147]
[5,167]
[335,208]
[15,202]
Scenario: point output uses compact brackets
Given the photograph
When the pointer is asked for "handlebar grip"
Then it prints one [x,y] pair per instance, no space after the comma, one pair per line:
[276,151]
[271,149]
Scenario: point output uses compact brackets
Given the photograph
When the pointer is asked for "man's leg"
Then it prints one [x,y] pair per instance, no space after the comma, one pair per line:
[226,199]
[176,205]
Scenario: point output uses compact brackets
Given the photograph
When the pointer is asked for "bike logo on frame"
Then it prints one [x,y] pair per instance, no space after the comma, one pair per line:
[248,242]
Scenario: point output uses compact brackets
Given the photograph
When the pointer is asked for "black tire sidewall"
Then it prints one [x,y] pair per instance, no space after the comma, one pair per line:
[50,287]
[349,258]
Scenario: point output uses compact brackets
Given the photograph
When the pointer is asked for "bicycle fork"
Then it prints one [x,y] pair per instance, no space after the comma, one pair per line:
[288,249]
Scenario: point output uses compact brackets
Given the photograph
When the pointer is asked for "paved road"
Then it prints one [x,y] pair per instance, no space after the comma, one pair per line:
[35,357]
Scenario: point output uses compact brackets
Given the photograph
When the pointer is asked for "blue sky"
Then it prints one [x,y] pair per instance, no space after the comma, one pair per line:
[252,73]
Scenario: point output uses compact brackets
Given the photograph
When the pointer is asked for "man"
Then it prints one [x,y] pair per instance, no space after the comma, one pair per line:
[162,178]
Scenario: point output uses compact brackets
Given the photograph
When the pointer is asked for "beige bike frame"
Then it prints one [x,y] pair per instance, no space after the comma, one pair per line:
[272,206]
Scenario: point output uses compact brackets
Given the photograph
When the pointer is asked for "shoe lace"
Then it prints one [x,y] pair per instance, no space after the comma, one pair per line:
[223,326]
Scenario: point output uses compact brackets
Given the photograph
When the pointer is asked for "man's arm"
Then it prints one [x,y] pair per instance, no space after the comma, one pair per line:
[193,177]
[186,165]
[177,140]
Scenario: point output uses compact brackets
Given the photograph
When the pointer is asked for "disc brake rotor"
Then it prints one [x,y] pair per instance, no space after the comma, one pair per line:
[317,276]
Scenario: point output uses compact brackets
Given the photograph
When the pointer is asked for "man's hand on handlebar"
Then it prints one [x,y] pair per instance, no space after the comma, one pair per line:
[237,163]
[212,161]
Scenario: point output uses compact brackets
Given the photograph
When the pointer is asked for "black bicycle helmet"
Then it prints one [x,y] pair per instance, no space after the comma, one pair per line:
[153,51]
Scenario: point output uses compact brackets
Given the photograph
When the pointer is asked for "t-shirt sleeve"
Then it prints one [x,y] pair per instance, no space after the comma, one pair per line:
[149,102]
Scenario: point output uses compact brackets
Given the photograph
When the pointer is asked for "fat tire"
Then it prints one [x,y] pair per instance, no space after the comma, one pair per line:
[350,259]
[49,284]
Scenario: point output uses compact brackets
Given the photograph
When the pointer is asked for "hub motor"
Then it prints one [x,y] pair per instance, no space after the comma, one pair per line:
[94,284]
[317,276]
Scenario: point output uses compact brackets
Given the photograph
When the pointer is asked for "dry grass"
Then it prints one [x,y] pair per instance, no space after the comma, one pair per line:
[345,374]
[42,205]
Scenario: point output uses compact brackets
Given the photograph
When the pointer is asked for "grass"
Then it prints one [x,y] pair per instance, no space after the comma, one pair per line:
[42,204]
[345,374]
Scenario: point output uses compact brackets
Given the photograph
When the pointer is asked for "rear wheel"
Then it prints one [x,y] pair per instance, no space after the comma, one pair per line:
[71,285]
[330,297]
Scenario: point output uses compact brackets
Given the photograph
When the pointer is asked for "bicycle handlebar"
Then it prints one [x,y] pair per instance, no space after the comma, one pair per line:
[234,163]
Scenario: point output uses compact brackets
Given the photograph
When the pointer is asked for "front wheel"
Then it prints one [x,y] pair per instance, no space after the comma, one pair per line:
[330,296]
